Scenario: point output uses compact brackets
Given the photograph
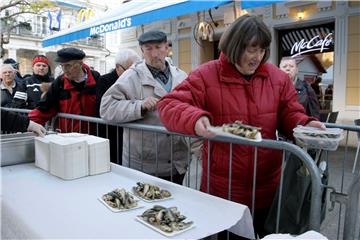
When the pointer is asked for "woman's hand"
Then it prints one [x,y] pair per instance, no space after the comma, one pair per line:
[316,124]
[201,126]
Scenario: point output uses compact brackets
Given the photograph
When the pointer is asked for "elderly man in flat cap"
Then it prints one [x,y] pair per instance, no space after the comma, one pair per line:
[72,92]
[133,98]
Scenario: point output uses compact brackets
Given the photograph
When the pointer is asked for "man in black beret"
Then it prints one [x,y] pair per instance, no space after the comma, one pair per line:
[72,92]
[133,97]
[67,54]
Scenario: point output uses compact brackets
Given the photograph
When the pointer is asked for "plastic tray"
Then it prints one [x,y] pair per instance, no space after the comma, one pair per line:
[310,137]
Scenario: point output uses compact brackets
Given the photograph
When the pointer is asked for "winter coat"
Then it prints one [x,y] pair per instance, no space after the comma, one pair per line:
[104,83]
[113,133]
[307,98]
[14,122]
[122,103]
[217,90]
[63,96]
[16,99]
[33,89]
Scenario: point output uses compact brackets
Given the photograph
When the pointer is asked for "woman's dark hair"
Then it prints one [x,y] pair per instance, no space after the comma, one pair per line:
[244,32]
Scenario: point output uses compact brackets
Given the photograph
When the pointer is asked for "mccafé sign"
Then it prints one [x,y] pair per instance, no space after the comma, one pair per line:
[316,44]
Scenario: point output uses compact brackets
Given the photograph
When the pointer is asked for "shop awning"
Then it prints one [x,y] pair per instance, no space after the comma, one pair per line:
[131,14]
[257,3]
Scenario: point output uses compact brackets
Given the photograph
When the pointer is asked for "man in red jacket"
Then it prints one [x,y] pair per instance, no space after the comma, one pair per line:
[240,85]
[72,92]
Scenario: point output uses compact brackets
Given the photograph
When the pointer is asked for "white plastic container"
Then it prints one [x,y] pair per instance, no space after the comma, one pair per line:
[99,154]
[98,149]
[42,151]
[310,137]
[69,158]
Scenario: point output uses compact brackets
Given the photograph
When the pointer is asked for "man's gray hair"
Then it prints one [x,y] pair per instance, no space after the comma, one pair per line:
[126,54]
[7,65]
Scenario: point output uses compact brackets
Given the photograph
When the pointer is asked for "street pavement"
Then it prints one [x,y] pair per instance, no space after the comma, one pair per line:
[339,168]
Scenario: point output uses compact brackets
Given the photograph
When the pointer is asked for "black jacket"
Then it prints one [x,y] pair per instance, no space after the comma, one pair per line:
[307,98]
[33,89]
[114,134]
[104,83]
[14,122]
[8,100]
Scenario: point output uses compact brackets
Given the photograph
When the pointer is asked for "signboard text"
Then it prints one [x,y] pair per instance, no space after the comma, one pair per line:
[108,27]
[315,44]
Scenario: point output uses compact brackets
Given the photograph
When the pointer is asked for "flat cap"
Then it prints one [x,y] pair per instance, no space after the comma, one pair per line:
[153,36]
[13,63]
[9,61]
[68,54]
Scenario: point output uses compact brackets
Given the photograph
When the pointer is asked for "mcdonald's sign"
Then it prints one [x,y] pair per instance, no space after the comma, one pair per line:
[84,15]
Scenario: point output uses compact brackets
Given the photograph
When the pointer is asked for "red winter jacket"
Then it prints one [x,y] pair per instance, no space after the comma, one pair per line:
[64,97]
[217,90]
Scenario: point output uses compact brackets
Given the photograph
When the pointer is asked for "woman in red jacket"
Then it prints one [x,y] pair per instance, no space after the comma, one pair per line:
[240,85]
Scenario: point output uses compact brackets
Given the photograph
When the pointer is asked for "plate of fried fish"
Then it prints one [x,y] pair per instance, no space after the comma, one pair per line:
[238,130]
[167,221]
[119,200]
[150,192]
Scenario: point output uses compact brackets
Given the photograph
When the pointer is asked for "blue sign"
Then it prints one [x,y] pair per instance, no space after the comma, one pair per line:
[255,3]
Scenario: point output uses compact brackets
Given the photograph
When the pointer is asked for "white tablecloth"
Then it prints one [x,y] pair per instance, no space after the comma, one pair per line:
[309,235]
[36,204]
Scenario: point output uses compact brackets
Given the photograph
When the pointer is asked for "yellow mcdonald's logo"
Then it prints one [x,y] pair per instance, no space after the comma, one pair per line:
[84,15]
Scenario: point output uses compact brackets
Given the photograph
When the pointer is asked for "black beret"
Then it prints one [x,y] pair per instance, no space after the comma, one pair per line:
[68,54]
[152,36]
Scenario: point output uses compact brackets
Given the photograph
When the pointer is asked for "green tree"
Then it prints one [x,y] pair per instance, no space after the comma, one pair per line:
[9,20]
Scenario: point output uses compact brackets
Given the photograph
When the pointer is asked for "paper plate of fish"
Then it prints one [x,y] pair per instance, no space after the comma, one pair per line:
[119,200]
[167,221]
[150,192]
[238,130]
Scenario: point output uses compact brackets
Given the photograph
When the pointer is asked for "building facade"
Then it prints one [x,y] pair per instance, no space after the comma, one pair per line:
[24,44]
[325,31]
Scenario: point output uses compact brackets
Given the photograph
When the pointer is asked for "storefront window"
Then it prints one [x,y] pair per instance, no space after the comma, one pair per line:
[313,48]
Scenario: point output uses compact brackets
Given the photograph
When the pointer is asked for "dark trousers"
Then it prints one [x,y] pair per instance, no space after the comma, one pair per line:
[115,136]
[176,178]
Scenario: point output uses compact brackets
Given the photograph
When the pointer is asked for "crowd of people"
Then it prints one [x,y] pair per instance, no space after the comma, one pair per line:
[240,85]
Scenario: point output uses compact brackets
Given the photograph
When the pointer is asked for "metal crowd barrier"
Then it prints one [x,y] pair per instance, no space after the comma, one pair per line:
[348,219]
[316,186]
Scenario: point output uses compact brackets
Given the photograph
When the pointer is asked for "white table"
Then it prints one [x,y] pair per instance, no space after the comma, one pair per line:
[38,205]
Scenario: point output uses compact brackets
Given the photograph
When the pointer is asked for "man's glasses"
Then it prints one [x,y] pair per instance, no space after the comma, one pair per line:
[122,67]
[68,65]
